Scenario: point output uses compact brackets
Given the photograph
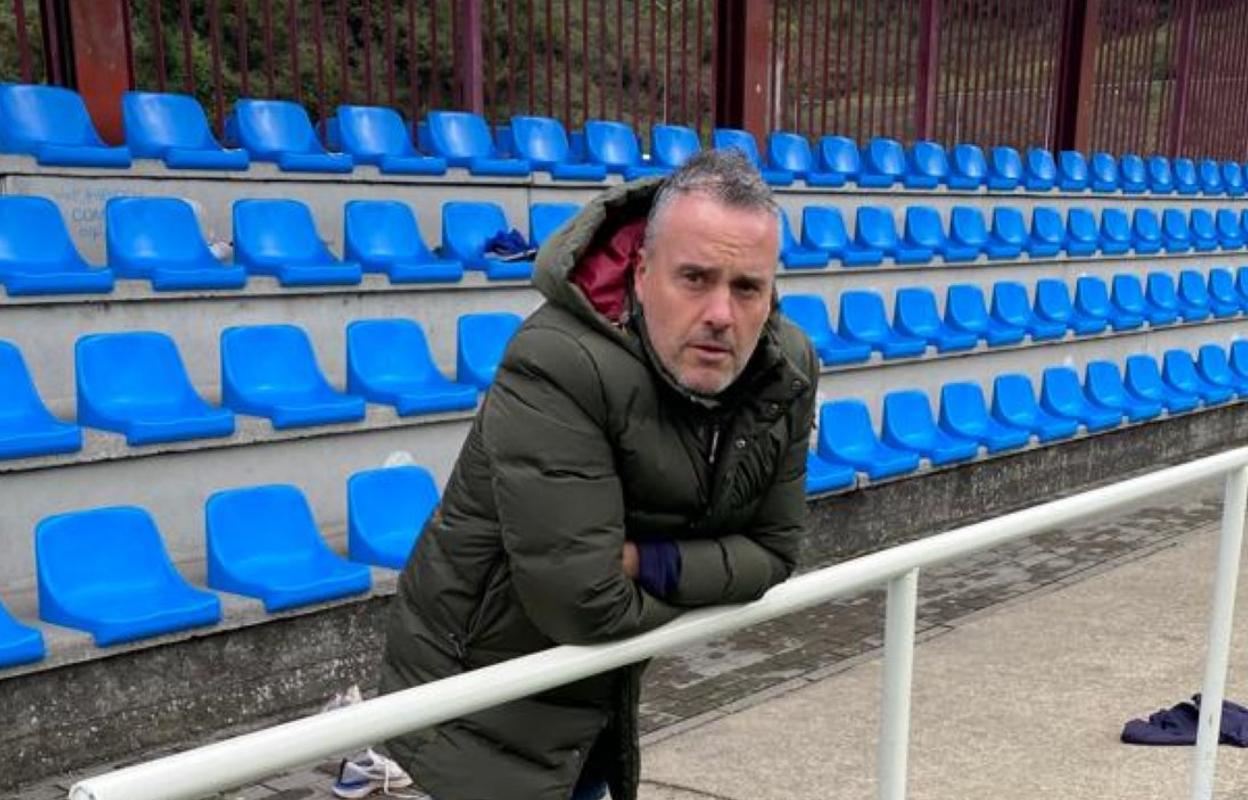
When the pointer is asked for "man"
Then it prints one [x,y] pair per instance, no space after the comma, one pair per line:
[641,451]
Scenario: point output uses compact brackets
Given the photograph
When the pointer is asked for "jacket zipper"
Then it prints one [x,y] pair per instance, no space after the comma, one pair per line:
[461,645]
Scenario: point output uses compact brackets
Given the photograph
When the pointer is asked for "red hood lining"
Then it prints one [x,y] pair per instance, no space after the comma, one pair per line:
[605,270]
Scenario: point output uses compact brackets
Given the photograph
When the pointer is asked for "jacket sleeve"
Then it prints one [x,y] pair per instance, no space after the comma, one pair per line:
[740,567]
[559,500]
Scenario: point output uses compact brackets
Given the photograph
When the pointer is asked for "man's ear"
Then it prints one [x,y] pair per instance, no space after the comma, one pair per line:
[639,274]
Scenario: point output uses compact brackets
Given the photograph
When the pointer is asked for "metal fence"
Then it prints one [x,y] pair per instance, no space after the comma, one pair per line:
[222,765]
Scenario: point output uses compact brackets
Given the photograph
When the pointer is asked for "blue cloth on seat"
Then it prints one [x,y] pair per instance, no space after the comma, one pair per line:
[1179,724]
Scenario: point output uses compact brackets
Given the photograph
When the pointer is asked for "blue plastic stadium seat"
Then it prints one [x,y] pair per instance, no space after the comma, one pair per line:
[1162,297]
[1132,176]
[811,315]
[105,571]
[1105,387]
[1011,307]
[883,163]
[927,165]
[134,383]
[19,644]
[968,234]
[1005,170]
[1186,181]
[279,238]
[262,542]
[1233,179]
[968,169]
[383,236]
[36,254]
[26,426]
[1193,296]
[672,145]
[1014,404]
[915,315]
[386,512]
[846,437]
[52,124]
[965,311]
[1093,310]
[614,145]
[908,425]
[824,476]
[158,239]
[863,319]
[1103,170]
[388,361]
[1115,232]
[1223,298]
[173,127]
[377,135]
[1062,396]
[1230,234]
[964,413]
[823,228]
[793,254]
[1145,231]
[1239,357]
[875,231]
[1180,372]
[791,152]
[1212,365]
[1072,171]
[1143,380]
[1040,171]
[838,155]
[1175,234]
[482,340]
[924,236]
[464,140]
[1082,238]
[727,138]
[1048,232]
[1160,175]
[1204,231]
[1008,237]
[1210,176]
[467,228]
[280,131]
[547,218]
[1053,304]
[1241,286]
[505,142]
[1127,307]
[543,142]
[271,371]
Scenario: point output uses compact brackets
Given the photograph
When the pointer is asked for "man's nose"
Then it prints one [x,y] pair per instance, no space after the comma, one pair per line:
[718,311]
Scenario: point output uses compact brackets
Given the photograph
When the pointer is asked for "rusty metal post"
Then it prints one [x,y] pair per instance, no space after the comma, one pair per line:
[743,65]
[1076,70]
[99,39]
[469,94]
[929,60]
[1186,21]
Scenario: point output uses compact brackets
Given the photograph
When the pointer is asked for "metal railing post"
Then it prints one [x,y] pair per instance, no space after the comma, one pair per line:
[894,747]
[1230,544]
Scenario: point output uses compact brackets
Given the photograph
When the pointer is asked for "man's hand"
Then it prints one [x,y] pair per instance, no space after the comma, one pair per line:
[632,561]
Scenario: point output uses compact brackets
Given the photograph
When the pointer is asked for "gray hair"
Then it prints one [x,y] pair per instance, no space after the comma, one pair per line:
[726,176]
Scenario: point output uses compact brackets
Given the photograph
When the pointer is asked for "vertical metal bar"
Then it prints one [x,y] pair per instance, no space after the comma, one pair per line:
[619,59]
[23,42]
[550,63]
[684,64]
[697,65]
[899,625]
[862,71]
[998,120]
[435,60]
[585,62]
[318,33]
[667,67]
[158,44]
[532,61]
[795,78]
[344,73]
[901,65]
[454,44]
[297,84]
[1182,80]
[1221,616]
[635,94]
[1208,86]
[1240,92]
[1014,78]
[52,63]
[413,72]
[842,35]
[715,56]
[877,104]
[816,93]
[1167,86]
[567,71]
[927,70]
[1148,57]
[267,7]
[366,31]
[466,50]
[388,21]
[188,68]
[240,13]
[1123,118]
[1199,89]
[602,60]
[218,95]
[654,71]
[1116,77]
[511,48]
[488,95]
[975,82]
[825,95]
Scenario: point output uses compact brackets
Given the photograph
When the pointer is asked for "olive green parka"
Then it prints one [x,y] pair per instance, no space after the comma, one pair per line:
[581,443]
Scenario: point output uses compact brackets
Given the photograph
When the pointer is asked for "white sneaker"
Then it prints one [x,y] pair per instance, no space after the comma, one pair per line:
[371,772]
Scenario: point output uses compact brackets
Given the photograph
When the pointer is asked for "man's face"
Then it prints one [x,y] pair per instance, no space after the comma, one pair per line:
[705,284]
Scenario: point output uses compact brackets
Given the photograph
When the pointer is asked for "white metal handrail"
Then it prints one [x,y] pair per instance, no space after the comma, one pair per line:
[233,762]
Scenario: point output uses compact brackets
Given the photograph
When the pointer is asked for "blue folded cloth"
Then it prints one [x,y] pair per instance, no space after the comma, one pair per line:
[1178,725]
[658,569]
[510,246]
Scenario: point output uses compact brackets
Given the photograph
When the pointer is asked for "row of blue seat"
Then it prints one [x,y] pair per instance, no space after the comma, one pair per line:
[106,570]
[1012,315]
[135,383]
[52,124]
[924,235]
[159,239]
[848,443]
